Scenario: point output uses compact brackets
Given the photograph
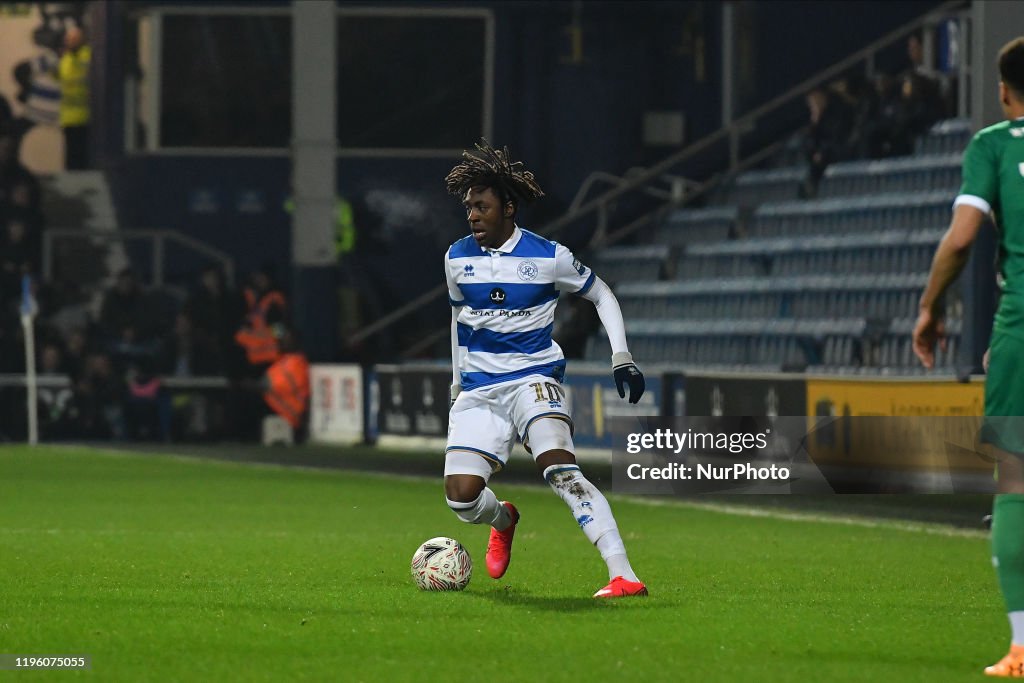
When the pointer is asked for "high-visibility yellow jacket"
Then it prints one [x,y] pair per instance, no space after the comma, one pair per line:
[73,74]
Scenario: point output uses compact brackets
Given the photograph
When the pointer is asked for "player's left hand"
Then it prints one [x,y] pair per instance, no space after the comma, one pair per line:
[929,329]
[626,372]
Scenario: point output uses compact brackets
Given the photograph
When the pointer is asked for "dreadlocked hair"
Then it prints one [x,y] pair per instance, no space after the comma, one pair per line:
[491,167]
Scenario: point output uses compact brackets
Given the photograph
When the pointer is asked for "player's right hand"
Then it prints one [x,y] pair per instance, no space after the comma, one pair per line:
[929,329]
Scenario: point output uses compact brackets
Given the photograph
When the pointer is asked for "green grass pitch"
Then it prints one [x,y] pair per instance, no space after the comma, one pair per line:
[171,569]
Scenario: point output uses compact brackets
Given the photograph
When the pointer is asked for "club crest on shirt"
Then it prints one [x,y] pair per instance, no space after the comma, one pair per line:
[527,270]
[580,268]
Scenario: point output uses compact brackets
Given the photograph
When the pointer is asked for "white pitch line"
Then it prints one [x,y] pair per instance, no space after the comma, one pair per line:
[932,529]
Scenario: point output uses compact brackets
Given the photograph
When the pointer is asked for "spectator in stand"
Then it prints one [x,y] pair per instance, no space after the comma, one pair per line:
[921,106]
[24,197]
[877,133]
[128,324]
[859,96]
[827,139]
[214,314]
[96,410]
[75,353]
[908,106]
[53,401]
[930,83]
[19,256]
[187,354]
[12,172]
[122,306]
[147,407]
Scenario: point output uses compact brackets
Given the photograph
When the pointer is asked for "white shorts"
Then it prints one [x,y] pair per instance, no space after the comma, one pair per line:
[485,422]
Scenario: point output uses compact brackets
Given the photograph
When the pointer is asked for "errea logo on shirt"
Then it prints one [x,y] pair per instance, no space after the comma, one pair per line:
[1017,132]
[468,271]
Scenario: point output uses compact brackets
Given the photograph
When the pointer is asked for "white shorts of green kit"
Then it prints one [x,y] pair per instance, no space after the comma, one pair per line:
[484,423]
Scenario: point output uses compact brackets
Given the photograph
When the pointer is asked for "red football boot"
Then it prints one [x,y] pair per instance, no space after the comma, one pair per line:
[621,588]
[499,547]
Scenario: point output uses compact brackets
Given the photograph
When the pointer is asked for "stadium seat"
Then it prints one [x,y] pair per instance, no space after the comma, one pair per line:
[756,187]
[689,226]
[908,174]
[945,137]
[631,264]
[845,215]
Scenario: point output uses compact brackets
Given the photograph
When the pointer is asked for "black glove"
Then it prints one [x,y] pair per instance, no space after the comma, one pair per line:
[626,372]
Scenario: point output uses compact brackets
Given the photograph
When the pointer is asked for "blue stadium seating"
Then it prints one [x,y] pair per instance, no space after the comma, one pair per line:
[840,216]
[945,137]
[891,251]
[909,174]
[631,264]
[825,285]
[873,296]
[756,187]
[689,226]
[762,343]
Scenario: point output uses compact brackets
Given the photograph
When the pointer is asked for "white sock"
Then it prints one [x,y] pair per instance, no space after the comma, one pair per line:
[486,509]
[591,510]
[1017,627]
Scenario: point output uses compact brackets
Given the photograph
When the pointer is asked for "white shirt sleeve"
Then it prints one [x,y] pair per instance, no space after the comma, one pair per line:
[571,275]
[609,312]
[456,375]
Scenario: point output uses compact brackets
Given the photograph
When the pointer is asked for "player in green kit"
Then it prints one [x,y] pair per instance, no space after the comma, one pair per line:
[993,182]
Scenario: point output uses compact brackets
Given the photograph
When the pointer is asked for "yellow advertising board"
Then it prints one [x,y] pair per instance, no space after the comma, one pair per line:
[862,397]
[936,426]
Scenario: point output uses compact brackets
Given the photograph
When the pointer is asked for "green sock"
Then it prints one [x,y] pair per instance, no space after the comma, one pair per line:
[1008,547]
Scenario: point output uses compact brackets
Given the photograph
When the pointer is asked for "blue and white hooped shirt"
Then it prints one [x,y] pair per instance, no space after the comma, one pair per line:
[506,299]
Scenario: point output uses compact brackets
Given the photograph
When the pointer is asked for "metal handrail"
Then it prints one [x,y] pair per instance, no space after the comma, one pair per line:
[731,133]
[158,237]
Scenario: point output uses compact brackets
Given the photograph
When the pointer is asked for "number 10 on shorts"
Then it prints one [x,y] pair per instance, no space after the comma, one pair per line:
[555,393]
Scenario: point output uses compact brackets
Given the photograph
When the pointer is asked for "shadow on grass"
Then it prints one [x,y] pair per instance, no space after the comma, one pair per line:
[556,603]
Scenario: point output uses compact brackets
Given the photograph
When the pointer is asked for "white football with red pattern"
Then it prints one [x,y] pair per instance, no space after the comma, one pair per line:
[441,564]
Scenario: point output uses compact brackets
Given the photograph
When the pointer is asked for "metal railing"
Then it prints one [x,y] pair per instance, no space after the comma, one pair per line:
[158,239]
[732,135]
